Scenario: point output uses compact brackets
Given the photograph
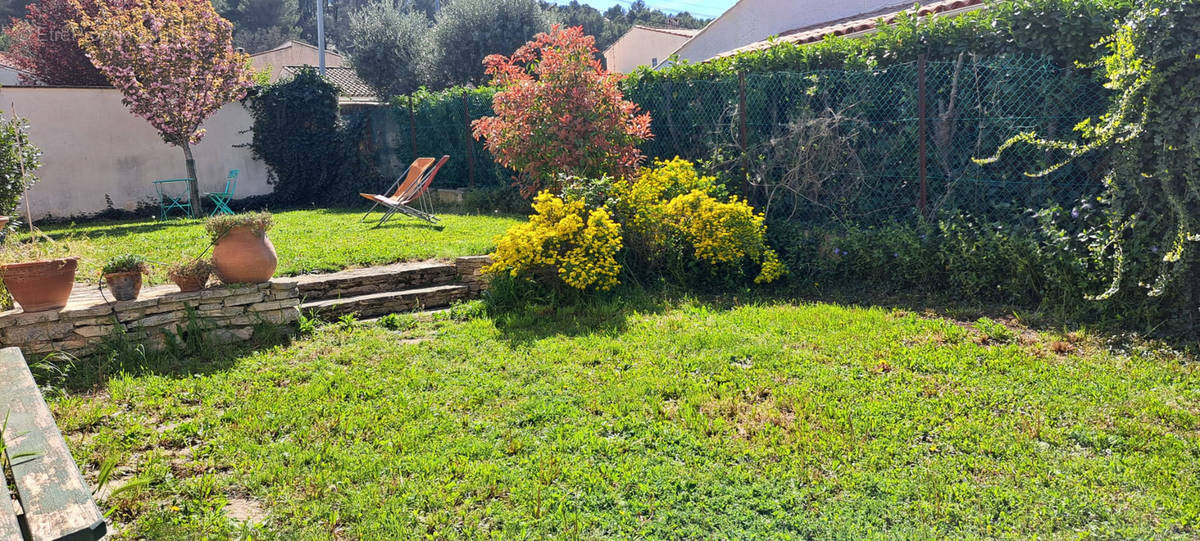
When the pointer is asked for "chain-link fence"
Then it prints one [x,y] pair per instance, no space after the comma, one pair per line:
[847,145]
[857,146]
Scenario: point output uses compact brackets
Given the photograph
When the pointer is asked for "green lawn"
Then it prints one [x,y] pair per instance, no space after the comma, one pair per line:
[670,420]
[306,240]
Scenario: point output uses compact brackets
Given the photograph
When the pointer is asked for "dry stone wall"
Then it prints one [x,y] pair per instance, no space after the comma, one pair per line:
[225,313]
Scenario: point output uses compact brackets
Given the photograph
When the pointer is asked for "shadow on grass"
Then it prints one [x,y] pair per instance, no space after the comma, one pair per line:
[544,316]
[409,223]
[186,352]
[540,315]
[524,315]
[114,229]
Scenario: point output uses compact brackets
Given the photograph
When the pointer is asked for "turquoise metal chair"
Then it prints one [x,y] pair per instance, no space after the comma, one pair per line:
[221,200]
[170,199]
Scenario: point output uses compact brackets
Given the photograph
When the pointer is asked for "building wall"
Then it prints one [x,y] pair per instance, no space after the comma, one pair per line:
[9,76]
[296,55]
[93,147]
[639,47]
[749,21]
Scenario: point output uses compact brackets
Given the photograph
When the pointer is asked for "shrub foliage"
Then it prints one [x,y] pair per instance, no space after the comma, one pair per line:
[563,243]
[667,219]
[296,132]
[15,150]
[1151,229]
[558,112]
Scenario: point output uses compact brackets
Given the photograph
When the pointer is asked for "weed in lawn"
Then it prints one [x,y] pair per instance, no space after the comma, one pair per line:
[398,322]
[993,332]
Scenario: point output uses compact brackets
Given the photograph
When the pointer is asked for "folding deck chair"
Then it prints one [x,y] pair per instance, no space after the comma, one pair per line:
[221,200]
[408,191]
[415,172]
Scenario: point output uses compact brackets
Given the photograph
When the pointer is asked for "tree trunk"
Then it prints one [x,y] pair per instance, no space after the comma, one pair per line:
[194,185]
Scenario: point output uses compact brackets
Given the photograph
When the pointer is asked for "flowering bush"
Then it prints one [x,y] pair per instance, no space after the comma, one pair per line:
[173,61]
[722,233]
[666,217]
[672,214]
[558,112]
[562,241]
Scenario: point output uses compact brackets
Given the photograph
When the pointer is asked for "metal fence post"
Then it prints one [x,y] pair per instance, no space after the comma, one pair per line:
[742,136]
[470,148]
[412,128]
[922,129]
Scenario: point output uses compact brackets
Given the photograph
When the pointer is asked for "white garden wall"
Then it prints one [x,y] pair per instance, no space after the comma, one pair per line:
[93,146]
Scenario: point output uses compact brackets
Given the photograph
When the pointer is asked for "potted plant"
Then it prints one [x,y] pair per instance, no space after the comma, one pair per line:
[36,275]
[190,276]
[123,274]
[33,272]
[242,253]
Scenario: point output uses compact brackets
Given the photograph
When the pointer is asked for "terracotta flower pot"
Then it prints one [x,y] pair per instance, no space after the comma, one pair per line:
[3,221]
[243,256]
[190,283]
[125,286]
[40,285]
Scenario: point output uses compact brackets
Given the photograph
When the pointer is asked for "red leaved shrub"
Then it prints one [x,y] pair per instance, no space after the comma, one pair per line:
[558,112]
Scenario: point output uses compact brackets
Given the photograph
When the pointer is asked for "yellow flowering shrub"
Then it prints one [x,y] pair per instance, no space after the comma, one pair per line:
[668,217]
[723,233]
[672,211]
[563,240]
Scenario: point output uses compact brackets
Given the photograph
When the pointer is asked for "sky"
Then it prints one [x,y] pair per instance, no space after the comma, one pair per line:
[700,8]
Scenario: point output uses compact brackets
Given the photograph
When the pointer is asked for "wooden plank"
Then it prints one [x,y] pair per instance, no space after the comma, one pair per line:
[9,530]
[57,502]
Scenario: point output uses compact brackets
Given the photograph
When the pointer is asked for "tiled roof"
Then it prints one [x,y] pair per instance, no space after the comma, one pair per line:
[854,25]
[296,43]
[681,32]
[343,77]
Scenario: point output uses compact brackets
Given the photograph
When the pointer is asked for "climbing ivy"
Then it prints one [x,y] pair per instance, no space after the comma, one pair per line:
[296,133]
[1152,131]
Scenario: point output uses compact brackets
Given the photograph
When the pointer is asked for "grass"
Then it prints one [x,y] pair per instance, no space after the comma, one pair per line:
[655,419]
[306,240]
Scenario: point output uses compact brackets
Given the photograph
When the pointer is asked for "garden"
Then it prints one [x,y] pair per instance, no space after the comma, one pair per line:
[939,281]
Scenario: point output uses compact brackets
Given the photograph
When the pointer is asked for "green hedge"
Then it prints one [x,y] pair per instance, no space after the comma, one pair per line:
[315,156]
[440,123]
[1061,30]
[1037,259]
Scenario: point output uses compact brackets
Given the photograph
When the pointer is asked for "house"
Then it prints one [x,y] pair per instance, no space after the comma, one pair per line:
[758,24]
[644,46]
[353,90]
[11,73]
[293,53]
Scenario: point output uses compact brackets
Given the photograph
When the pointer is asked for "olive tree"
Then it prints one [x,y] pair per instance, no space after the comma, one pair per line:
[389,48]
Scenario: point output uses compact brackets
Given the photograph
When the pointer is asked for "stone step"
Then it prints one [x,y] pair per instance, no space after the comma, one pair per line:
[387,278]
[389,302]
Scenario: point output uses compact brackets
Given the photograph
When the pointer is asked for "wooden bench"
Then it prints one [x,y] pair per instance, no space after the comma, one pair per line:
[53,501]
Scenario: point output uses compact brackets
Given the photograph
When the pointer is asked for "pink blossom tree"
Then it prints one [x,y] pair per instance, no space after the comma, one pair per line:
[173,60]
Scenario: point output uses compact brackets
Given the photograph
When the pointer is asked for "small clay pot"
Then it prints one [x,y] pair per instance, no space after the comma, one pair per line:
[3,221]
[190,283]
[40,285]
[243,256]
[125,286]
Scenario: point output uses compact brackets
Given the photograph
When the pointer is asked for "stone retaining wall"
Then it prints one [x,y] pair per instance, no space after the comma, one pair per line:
[227,313]
[470,271]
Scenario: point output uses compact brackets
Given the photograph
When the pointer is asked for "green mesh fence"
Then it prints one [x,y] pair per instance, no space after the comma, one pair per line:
[845,145]
[834,145]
